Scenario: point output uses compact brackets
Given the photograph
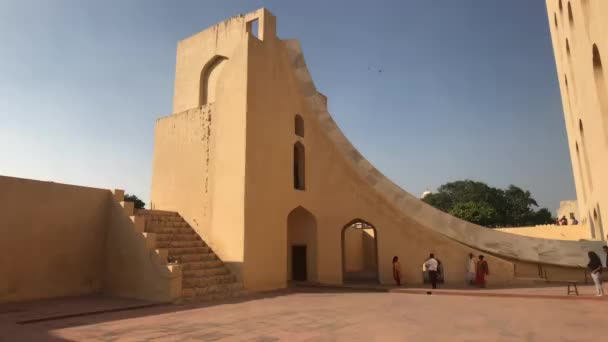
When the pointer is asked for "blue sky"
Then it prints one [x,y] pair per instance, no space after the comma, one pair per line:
[468,89]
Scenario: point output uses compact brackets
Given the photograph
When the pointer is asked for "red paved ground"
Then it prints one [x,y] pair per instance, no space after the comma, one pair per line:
[338,316]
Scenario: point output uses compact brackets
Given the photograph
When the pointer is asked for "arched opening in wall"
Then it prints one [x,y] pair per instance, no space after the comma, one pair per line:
[570,16]
[560,6]
[599,221]
[567,47]
[299,166]
[600,88]
[299,125]
[580,172]
[209,78]
[585,156]
[301,245]
[359,252]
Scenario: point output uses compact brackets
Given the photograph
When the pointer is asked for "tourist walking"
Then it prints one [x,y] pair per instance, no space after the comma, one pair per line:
[563,221]
[481,271]
[470,269]
[396,270]
[431,265]
[595,268]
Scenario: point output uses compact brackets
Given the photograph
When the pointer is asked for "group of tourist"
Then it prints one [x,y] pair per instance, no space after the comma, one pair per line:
[476,270]
[564,221]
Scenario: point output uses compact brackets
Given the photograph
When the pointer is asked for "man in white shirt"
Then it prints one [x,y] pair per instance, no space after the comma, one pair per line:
[431,266]
[470,269]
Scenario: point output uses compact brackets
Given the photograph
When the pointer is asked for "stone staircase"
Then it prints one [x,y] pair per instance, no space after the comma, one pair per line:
[204,275]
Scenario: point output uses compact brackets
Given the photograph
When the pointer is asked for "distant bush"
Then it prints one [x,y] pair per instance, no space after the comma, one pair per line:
[138,204]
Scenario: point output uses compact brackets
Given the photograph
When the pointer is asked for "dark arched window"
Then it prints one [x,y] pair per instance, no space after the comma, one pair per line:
[555,19]
[567,47]
[299,166]
[560,5]
[570,16]
[601,89]
[299,126]
[597,59]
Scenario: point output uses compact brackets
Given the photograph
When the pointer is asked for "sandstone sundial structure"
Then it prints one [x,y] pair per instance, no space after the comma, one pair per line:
[254,187]
[252,159]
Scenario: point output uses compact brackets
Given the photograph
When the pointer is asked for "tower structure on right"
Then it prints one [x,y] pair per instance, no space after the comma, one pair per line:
[579,31]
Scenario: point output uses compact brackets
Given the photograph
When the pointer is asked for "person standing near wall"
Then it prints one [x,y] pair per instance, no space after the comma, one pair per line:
[482,270]
[431,265]
[396,270]
[595,268]
[470,268]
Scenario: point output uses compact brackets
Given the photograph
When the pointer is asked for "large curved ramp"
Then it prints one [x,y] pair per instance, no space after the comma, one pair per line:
[536,250]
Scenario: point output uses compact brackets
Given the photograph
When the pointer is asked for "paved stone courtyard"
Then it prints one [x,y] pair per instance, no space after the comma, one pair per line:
[336,316]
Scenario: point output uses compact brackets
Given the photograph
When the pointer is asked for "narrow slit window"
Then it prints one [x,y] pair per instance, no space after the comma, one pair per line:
[299,166]
[299,126]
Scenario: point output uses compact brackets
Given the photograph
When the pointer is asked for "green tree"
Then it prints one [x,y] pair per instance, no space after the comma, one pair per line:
[137,203]
[488,206]
[479,213]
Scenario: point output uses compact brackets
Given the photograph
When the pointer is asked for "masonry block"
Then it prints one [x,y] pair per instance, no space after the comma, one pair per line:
[119,195]
[129,207]
[139,222]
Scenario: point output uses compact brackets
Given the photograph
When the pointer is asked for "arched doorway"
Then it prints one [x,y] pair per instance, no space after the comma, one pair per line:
[301,245]
[359,252]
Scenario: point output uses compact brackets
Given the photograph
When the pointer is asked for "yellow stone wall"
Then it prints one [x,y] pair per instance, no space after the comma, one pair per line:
[578,29]
[555,232]
[63,240]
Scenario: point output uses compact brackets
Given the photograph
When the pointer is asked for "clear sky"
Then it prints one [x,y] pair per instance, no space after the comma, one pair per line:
[468,88]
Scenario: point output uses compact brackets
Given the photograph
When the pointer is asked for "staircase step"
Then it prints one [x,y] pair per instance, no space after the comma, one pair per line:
[205,281]
[174,244]
[204,276]
[205,272]
[188,295]
[194,257]
[177,251]
[177,237]
[170,230]
[167,222]
[200,260]
[212,289]
[190,267]
[148,212]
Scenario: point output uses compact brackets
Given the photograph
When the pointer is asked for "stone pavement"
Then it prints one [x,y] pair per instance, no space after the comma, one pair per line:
[336,316]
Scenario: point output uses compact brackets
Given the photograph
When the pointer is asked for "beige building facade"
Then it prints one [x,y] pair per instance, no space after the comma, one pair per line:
[579,32]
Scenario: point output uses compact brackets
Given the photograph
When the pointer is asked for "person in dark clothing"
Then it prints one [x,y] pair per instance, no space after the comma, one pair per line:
[595,268]
[431,265]
[396,270]
[482,271]
[563,221]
